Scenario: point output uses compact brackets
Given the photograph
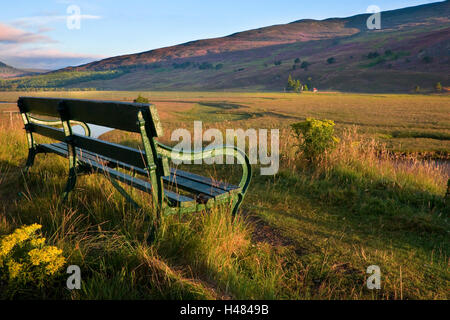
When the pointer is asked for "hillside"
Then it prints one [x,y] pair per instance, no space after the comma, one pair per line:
[411,49]
[7,71]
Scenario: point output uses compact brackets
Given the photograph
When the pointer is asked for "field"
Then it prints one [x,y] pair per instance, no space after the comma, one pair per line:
[309,232]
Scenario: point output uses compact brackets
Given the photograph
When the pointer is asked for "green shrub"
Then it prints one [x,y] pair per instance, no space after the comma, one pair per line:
[315,136]
[427,59]
[305,65]
[438,87]
[140,99]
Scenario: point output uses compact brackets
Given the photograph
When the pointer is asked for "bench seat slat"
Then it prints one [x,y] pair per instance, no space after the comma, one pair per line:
[180,179]
[174,180]
[61,149]
[174,198]
[195,177]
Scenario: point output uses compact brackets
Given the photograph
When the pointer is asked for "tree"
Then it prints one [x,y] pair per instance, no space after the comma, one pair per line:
[290,83]
[305,87]
[305,65]
[438,87]
[298,86]
[331,60]
[297,60]
[416,89]
[293,85]
[277,63]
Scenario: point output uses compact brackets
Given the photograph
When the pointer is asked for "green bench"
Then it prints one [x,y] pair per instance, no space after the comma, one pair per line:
[147,170]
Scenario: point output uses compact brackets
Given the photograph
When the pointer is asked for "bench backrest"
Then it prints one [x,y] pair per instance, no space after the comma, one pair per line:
[131,117]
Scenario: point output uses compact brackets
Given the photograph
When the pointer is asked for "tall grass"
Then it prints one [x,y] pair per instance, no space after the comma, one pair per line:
[205,256]
[319,212]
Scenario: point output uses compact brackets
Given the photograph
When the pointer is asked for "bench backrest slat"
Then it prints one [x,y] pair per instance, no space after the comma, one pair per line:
[47,131]
[117,115]
[111,150]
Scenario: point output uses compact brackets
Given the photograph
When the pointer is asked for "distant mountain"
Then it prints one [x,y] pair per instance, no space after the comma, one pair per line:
[7,71]
[412,48]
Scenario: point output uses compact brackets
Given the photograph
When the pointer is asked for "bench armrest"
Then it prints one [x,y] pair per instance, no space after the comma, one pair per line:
[57,123]
[207,153]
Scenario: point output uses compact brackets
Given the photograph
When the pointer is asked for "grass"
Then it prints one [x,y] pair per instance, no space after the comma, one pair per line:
[310,232]
[402,121]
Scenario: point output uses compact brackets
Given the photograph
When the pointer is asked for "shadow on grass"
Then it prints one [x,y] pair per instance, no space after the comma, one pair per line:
[400,214]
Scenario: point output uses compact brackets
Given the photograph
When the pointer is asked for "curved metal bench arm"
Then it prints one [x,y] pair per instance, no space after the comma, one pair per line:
[56,123]
[207,153]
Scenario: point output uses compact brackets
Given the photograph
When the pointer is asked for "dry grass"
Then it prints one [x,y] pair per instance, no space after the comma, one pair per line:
[359,206]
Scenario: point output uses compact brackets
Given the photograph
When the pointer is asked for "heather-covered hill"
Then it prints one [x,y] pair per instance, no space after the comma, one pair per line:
[411,50]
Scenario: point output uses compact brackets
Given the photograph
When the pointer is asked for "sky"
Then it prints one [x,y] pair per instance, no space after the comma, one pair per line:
[45,34]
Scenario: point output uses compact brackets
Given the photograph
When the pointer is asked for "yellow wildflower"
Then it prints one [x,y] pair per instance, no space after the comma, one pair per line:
[55,265]
[44,255]
[18,236]
[14,268]
[37,242]
[48,258]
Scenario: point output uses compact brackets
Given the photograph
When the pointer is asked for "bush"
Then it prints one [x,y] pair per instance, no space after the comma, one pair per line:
[140,99]
[26,261]
[373,55]
[331,60]
[305,65]
[206,66]
[438,87]
[427,59]
[315,137]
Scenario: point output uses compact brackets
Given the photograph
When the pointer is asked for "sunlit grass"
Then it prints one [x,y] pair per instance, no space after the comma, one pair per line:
[322,224]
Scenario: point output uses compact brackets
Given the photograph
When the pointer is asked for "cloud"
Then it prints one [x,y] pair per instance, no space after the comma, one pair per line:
[12,35]
[39,21]
[43,58]
[24,49]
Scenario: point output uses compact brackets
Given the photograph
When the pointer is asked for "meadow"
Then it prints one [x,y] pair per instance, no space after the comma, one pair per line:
[309,232]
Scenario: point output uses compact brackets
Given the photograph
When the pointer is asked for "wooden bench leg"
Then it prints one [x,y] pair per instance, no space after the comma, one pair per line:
[152,231]
[30,160]
[71,182]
